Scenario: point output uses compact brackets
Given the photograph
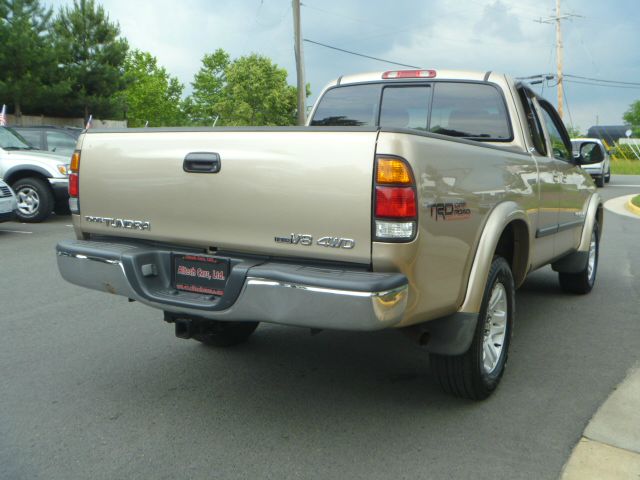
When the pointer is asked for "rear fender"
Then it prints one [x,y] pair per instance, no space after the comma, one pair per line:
[501,216]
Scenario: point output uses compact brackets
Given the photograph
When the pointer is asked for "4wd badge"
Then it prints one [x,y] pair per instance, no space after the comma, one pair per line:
[307,240]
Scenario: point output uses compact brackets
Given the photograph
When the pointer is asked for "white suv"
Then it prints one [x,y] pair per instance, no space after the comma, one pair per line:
[601,171]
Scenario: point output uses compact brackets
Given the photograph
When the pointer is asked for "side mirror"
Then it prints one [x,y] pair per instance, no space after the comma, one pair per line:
[589,153]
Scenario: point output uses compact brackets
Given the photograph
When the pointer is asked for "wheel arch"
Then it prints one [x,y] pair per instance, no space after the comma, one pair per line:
[15,174]
[507,233]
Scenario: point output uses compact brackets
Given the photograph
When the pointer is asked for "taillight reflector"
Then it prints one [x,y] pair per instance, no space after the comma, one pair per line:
[409,74]
[395,202]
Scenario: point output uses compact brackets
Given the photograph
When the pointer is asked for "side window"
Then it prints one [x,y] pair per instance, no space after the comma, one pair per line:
[469,110]
[60,143]
[350,106]
[558,147]
[533,122]
[32,136]
[405,107]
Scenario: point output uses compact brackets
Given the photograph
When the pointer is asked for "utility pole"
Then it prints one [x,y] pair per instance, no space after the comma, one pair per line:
[559,60]
[302,89]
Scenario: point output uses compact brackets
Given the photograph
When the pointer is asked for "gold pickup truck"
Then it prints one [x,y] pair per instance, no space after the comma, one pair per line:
[417,200]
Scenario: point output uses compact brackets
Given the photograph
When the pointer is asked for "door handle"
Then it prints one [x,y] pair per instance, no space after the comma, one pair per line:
[202,162]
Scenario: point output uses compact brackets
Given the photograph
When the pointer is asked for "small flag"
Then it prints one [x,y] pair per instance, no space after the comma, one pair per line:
[3,116]
[89,122]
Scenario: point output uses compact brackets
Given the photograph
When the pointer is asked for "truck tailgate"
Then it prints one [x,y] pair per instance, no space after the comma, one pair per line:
[273,185]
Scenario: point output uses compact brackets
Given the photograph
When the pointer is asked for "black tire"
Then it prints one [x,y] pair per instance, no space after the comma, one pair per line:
[583,282]
[225,334]
[467,375]
[607,177]
[599,181]
[36,197]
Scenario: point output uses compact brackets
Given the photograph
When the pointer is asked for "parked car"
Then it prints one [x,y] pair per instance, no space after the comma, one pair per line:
[420,201]
[61,140]
[8,204]
[600,171]
[39,179]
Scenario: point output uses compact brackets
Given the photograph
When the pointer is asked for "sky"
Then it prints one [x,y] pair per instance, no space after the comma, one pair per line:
[601,41]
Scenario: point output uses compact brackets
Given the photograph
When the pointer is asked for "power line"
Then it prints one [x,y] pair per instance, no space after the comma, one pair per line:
[359,54]
[602,85]
[596,82]
[602,80]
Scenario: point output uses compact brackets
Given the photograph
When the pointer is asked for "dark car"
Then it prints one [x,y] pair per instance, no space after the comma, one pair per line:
[60,140]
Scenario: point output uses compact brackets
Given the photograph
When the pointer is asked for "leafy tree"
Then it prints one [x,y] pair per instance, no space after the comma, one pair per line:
[632,116]
[249,90]
[93,56]
[257,93]
[208,84]
[27,62]
[152,94]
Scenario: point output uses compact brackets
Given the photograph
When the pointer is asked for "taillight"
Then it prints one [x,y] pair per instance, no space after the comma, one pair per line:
[73,185]
[395,202]
[74,182]
[392,75]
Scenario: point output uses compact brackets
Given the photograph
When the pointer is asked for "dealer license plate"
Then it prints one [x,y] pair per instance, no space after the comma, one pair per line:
[200,274]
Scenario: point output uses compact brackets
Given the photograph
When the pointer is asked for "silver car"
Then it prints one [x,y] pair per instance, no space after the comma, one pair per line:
[601,171]
[8,204]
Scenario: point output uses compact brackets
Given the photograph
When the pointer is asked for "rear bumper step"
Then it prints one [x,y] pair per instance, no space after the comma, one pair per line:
[315,297]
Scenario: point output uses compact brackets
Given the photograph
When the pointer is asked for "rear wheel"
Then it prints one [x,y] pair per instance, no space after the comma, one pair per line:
[224,334]
[35,199]
[476,373]
[582,282]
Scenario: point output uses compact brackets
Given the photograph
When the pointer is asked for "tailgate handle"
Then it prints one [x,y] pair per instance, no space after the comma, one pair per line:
[202,162]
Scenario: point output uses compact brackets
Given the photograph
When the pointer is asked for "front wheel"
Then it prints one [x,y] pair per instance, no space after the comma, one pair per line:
[607,177]
[582,282]
[217,333]
[35,199]
[476,373]
[600,181]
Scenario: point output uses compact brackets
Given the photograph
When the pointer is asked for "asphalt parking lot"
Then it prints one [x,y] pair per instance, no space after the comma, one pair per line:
[95,387]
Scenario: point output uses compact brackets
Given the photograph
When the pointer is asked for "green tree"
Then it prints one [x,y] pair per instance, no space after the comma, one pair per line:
[93,55]
[257,93]
[27,62]
[249,90]
[203,105]
[152,94]
[632,116]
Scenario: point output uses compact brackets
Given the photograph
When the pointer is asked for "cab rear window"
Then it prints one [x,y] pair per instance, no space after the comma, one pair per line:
[459,109]
[350,106]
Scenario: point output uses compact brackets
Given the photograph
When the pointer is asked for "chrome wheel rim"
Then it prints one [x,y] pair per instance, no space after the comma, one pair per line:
[28,200]
[591,265]
[495,328]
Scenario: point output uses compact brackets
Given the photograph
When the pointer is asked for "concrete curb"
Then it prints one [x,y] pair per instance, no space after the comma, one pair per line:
[632,208]
[610,445]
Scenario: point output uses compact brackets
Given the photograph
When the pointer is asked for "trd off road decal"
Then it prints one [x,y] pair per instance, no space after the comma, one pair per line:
[456,210]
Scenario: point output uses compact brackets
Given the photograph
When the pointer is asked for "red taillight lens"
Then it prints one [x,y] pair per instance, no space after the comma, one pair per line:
[395,202]
[73,185]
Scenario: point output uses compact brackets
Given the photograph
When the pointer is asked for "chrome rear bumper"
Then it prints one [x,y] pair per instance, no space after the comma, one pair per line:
[280,293]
